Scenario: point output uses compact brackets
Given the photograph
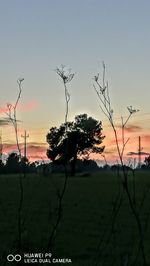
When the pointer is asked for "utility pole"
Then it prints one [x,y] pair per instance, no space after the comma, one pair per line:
[139,151]
[1,146]
[25,136]
[103,155]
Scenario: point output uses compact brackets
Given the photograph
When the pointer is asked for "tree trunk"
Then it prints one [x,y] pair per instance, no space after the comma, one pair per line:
[73,166]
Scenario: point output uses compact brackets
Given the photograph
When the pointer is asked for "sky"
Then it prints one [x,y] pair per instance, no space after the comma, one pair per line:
[39,35]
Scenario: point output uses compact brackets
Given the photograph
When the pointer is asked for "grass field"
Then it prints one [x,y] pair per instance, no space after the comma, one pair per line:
[89,233]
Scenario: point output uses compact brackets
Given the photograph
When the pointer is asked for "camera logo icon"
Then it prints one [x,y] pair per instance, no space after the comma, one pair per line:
[12,257]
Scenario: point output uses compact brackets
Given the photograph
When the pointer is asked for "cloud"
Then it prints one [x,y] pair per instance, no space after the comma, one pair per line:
[35,143]
[35,150]
[110,150]
[145,138]
[23,107]
[112,142]
[137,153]
[9,146]
[131,128]
[33,158]
[4,121]
[29,106]
[3,110]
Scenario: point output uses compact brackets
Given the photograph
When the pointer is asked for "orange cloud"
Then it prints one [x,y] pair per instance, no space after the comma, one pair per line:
[131,153]
[133,129]
[130,127]
[146,138]
[132,132]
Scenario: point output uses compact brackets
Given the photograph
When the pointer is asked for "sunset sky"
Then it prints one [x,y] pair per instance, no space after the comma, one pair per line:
[39,35]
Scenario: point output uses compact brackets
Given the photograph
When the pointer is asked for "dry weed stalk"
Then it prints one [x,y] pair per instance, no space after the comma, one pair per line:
[66,77]
[12,116]
[102,91]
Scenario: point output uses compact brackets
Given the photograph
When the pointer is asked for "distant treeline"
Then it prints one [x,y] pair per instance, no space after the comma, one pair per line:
[14,165]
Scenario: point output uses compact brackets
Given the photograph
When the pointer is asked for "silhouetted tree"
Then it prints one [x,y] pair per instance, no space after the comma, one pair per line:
[83,137]
[12,163]
[1,167]
[147,161]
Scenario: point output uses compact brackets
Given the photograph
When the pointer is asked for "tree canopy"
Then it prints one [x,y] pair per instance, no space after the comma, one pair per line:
[147,161]
[75,139]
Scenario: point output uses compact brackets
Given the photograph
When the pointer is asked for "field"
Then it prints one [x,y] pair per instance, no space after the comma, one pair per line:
[97,226]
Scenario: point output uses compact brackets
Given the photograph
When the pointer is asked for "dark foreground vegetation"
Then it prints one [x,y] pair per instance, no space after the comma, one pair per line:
[97,226]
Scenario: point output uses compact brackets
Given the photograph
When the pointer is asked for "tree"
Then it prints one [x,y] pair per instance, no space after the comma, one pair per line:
[13,164]
[147,161]
[82,138]
[1,166]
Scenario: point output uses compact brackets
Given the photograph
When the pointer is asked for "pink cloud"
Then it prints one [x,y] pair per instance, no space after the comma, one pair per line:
[23,107]
[3,110]
[35,150]
[29,106]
